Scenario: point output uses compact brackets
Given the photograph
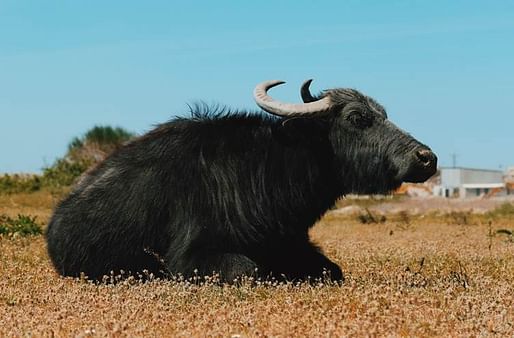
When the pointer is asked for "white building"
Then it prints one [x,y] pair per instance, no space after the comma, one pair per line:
[509,180]
[467,182]
[509,175]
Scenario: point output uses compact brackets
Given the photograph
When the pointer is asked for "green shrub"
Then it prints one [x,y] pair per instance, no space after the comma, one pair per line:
[504,210]
[19,183]
[83,153]
[97,143]
[105,136]
[23,226]
[63,173]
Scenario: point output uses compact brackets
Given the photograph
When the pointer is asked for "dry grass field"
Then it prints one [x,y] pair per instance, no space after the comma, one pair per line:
[449,275]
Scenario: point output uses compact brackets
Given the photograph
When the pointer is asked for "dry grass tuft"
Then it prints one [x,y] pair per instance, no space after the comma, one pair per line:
[408,276]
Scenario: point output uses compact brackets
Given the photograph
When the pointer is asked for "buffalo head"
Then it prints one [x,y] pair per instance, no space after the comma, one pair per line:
[371,154]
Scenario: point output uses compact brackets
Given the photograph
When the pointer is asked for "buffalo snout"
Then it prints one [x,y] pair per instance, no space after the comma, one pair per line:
[423,166]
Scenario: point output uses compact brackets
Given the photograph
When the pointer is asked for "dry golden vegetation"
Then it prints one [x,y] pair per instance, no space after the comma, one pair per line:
[406,275]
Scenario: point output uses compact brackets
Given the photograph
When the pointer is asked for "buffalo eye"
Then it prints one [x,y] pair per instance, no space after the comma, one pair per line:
[360,120]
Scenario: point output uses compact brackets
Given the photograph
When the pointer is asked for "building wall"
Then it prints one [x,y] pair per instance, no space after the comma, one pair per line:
[455,177]
[451,177]
[509,175]
[481,176]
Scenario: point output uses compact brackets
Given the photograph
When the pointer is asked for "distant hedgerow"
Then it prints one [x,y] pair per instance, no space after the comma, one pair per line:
[105,137]
[64,172]
[83,152]
[504,210]
[97,143]
[19,183]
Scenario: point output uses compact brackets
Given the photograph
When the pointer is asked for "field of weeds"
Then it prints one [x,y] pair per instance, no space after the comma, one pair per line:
[432,274]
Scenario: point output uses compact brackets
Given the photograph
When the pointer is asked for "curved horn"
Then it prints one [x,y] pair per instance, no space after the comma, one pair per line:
[272,106]
[306,93]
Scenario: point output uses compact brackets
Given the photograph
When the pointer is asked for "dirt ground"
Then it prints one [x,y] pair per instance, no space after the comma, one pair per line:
[404,277]
[443,205]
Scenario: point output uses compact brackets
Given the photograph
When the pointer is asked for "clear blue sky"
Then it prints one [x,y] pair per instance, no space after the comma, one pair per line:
[444,70]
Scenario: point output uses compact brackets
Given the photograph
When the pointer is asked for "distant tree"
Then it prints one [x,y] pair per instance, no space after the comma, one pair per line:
[97,143]
[83,153]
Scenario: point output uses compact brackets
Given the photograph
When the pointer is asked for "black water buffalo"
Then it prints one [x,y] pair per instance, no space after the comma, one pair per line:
[233,192]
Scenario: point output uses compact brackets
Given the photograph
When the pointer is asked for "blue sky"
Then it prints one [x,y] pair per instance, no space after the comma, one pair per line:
[444,70]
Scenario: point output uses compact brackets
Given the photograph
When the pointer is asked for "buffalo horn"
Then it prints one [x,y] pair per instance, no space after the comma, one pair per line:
[306,93]
[272,106]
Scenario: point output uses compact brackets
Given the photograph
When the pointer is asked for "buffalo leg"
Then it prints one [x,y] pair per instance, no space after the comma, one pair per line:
[306,263]
[228,265]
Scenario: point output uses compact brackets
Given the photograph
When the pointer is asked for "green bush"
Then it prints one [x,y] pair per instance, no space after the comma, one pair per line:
[83,152]
[19,183]
[63,172]
[23,226]
[97,143]
[504,210]
[105,136]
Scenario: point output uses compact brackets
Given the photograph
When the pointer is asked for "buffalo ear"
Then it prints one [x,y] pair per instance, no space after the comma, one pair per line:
[302,130]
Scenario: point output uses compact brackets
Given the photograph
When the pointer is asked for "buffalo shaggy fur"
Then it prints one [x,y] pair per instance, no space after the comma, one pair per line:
[233,193]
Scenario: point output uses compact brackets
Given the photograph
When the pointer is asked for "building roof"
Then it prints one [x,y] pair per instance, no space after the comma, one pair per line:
[473,169]
[483,185]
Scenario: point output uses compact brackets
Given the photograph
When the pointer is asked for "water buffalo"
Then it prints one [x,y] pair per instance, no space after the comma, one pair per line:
[233,192]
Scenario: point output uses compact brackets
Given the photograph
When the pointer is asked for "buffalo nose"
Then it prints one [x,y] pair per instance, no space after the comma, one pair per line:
[422,166]
[426,158]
